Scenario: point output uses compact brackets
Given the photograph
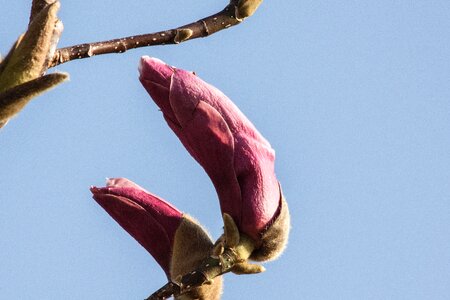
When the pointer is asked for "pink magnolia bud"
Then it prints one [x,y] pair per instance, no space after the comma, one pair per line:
[237,158]
[149,219]
[176,241]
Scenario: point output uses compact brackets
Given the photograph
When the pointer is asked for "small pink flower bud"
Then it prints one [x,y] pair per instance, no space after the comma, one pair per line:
[176,241]
[149,219]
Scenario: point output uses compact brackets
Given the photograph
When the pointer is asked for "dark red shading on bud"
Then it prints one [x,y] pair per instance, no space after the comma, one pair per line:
[237,158]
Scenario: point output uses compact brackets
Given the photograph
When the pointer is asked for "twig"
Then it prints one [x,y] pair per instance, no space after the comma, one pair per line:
[168,290]
[204,274]
[231,15]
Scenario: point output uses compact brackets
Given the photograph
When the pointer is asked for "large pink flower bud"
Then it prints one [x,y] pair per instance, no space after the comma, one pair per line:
[176,241]
[237,158]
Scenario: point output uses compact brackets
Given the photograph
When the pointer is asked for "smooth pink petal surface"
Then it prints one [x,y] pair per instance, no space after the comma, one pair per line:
[149,219]
[237,158]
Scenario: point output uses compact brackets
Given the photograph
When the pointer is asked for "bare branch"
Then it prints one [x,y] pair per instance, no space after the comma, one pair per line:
[231,15]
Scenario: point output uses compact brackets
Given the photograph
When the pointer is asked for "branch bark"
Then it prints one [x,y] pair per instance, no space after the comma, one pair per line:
[234,13]
[207,271]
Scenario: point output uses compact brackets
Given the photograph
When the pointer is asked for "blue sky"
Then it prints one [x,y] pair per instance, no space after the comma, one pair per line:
[353,95]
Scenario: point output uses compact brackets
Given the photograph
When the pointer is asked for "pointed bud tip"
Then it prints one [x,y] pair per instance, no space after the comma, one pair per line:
[149,62]
[94,189]
[154,71]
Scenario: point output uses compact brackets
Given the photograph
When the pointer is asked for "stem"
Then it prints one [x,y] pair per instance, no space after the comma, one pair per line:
[168,290]
[202,28]
[210,268]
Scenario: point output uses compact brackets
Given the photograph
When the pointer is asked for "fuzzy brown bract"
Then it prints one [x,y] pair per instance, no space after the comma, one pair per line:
[192,245]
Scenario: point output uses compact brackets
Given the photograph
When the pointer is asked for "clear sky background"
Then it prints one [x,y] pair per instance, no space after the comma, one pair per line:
[353,95]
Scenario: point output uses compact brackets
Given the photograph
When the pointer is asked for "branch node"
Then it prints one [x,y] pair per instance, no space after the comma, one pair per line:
[205,27]
[182,35]
[90,51]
